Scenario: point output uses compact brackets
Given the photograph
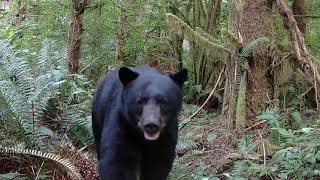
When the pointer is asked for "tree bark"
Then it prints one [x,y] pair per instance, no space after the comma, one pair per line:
[258,23]
[75,33]
[299,8]
[249,20]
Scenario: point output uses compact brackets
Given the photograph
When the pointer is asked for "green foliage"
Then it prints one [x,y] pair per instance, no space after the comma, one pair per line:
[9,176]
[245,144]
[185,145]
[248,50]
[277,123]
[297,153]
[33,93]
[190,91]
[299,160]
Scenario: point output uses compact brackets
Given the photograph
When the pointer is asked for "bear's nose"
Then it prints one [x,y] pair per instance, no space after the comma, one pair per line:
[151,128]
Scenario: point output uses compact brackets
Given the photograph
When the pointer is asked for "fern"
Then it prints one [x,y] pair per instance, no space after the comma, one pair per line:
[278,131]
[65,163]
[248,50]
[47,91]
[240,167]
[245,144]
[16,86]
[185,145]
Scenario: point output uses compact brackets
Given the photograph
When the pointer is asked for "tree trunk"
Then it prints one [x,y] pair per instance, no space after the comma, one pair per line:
[258,23]
[230,93]
[213,16]
[299,8]
[75,33]
[249,20]
[123,32]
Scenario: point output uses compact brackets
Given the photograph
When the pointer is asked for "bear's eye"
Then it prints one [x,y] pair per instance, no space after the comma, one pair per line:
[142,100]
[161,100]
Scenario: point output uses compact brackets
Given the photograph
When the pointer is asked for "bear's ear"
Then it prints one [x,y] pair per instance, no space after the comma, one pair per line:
[180,77]
[126,75]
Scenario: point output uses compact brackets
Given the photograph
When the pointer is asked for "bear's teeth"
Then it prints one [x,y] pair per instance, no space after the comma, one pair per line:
[151,137]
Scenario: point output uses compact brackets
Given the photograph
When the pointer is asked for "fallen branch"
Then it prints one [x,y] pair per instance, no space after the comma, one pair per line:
[255,125]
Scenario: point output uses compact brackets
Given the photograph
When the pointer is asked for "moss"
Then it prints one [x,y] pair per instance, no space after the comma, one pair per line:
[241,104]
[216,51]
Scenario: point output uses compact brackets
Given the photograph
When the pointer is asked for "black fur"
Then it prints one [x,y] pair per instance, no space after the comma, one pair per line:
[123,151]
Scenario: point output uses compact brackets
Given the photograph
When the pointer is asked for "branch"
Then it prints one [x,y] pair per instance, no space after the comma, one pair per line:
[305,60]
[307,16]
[210,95]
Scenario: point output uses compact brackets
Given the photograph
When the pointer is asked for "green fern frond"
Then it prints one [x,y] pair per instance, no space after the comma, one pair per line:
[245,144]
[270,114]
[16,86]
[240,167]
[185,145]
[72,171]
[248,50]
[196,152]
[276,119]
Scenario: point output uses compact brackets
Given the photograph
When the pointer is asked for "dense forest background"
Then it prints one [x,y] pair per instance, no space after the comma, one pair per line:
[251,104]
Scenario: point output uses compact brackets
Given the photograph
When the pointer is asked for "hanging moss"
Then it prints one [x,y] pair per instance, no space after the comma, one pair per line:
[216,51]
[239,4]
[231,40]
[208,36]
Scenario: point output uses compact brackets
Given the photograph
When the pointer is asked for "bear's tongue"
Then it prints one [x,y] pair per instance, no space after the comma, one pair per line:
[151,137]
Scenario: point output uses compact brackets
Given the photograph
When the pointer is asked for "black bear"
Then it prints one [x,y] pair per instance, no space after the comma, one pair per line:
[134,121]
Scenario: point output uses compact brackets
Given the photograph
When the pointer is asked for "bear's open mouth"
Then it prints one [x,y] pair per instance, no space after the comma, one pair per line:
[151,137]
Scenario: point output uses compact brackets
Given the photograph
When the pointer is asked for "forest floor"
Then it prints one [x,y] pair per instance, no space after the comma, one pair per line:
[203,147]
[203,150]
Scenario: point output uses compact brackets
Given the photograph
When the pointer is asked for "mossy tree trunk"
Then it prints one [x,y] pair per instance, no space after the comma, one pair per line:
[249,20]
[230,93]
[176,40]
[75,33]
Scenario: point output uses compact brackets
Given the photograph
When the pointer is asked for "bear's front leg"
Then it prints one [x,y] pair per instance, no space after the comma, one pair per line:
[157,160]
[120,159]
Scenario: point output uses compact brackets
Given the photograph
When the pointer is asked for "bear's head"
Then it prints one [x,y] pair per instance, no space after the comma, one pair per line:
[151,100]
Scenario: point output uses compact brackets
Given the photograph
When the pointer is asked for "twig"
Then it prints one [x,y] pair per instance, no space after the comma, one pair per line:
[37,177]
[257,124]
[307,16]
[210,95]
[264,150]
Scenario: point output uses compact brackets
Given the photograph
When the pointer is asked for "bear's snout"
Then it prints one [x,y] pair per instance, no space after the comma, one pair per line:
[151,121]
[151,132]
[151,128]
